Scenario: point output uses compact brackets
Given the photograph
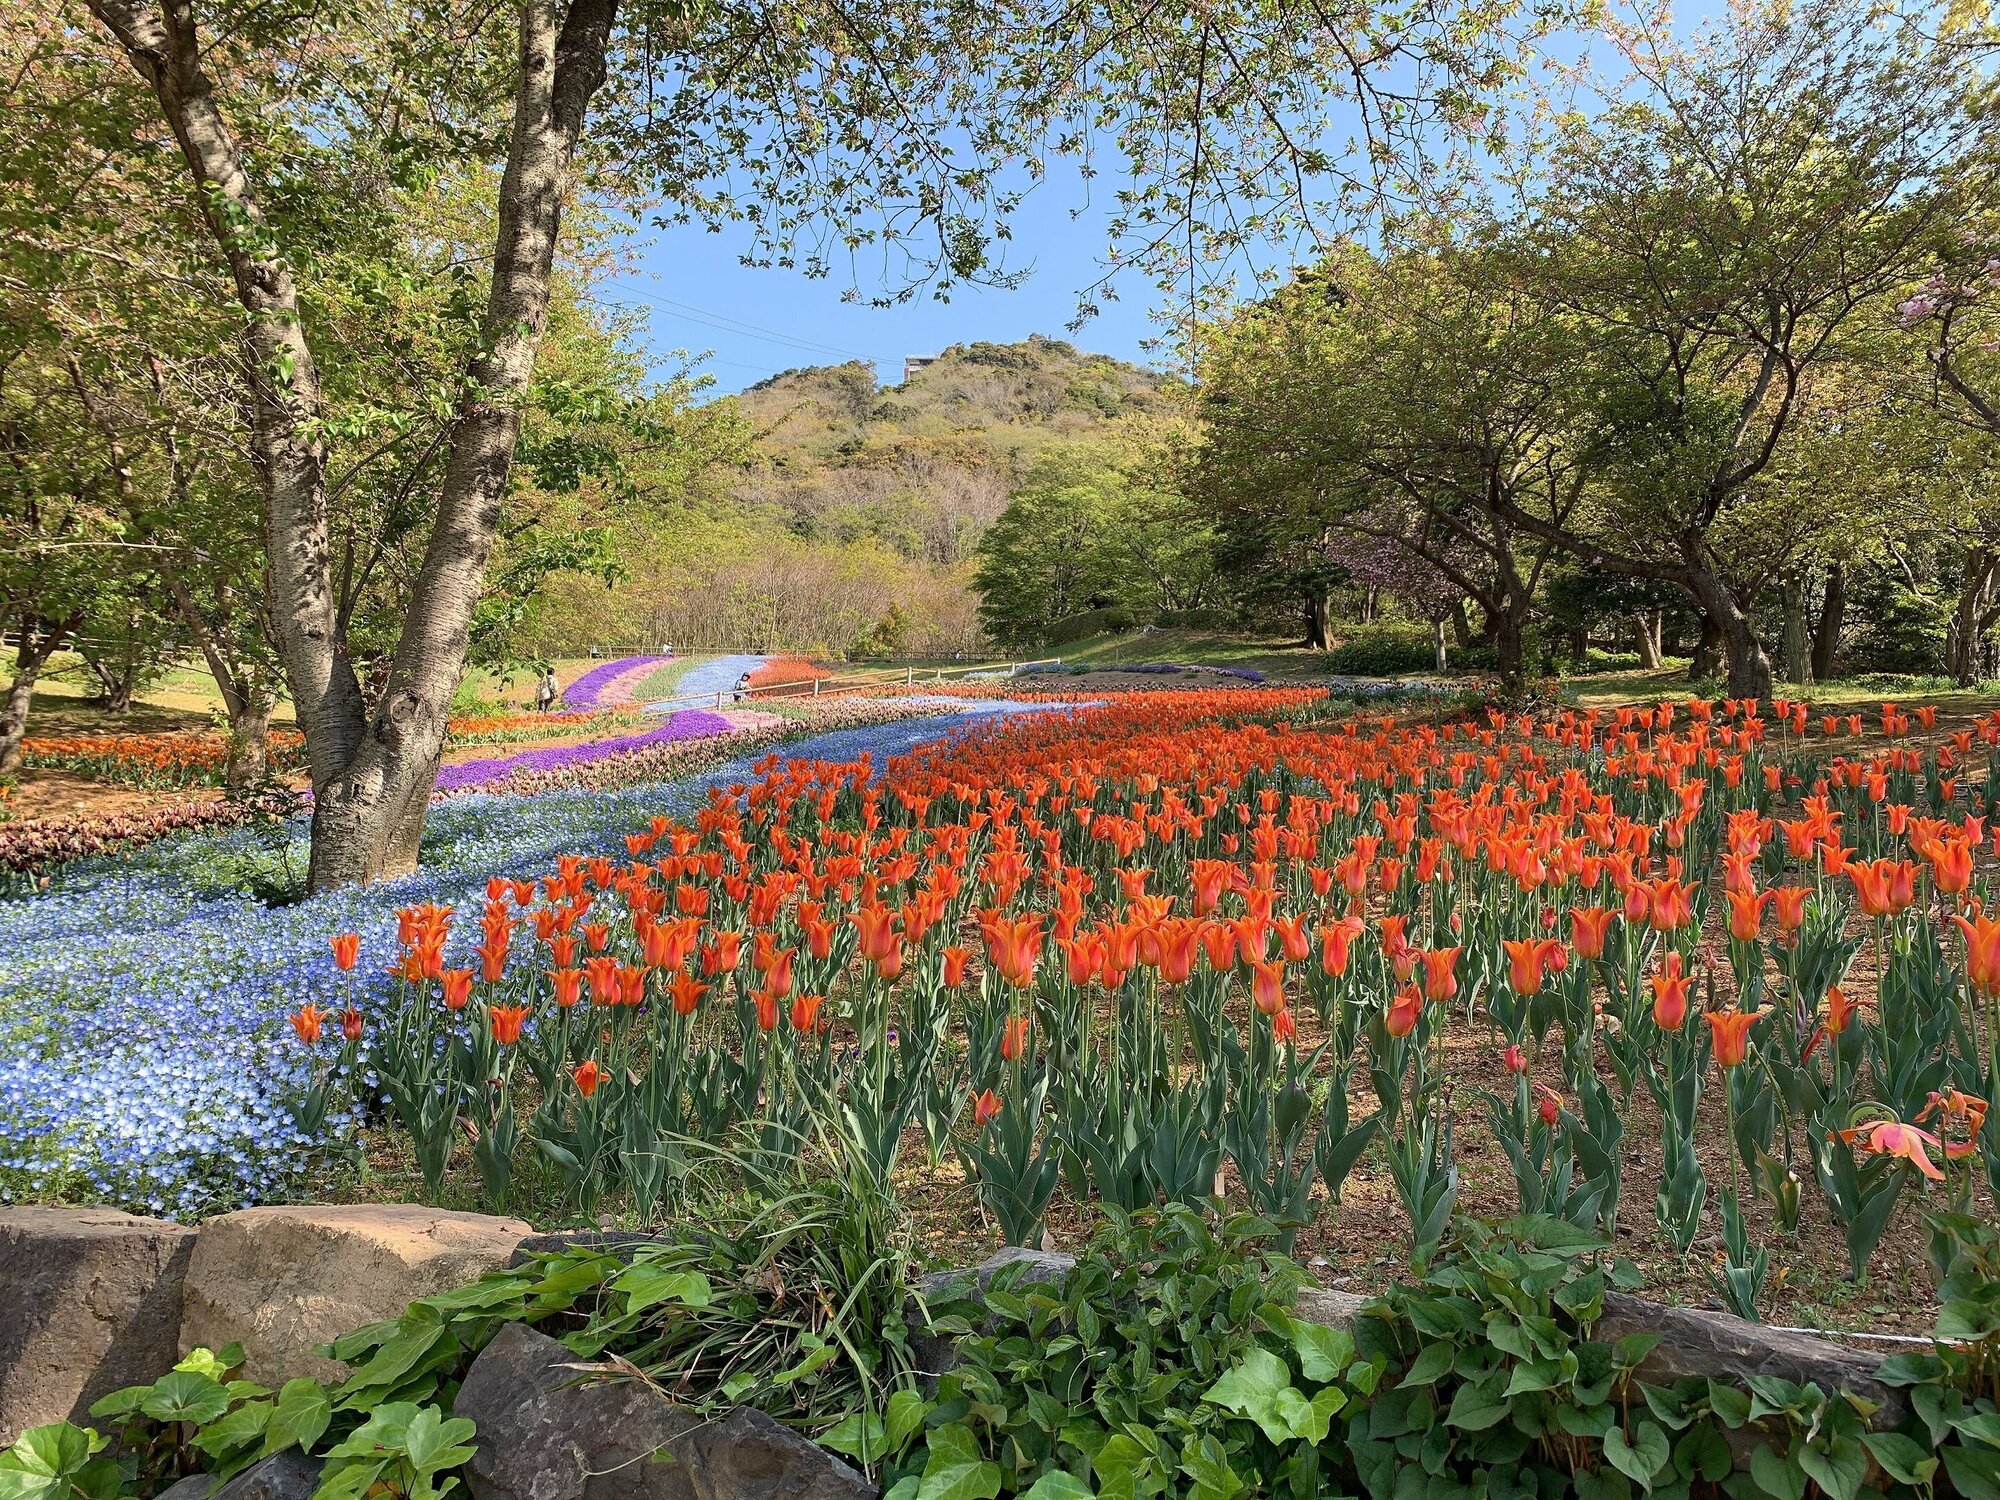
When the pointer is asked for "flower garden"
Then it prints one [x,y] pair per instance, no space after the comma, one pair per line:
[1708,986]
[1677,973]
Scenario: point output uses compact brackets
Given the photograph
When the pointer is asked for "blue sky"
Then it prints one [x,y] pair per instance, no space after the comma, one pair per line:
[697,296]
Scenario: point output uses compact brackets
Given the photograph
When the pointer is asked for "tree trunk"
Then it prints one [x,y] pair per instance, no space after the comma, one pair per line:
[1962,642]
[1832,613]
[1749,669]
[1461,627]
[1507,647]
[40,639]
[249,745]
[372,771]
[1644,623]
[1318,607]
[1707,657]
[1798,646]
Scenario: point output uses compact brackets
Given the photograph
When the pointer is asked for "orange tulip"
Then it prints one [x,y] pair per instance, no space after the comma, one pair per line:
[686,992]
[1982,951]
[457,988]
[1404,1011]
[1336,939]
[805,1011]
[1839,1010]
[1528,959]
[346,949]
[1951,866]
[1731,1029]
[1284,1030]
[1670,994]
[1894,1138]
[506,1022]
[351,1023]
[955,960]
[588,1076]
[1267,985]
[985,1106]
[1440,977]
[1514,1059]
[1014,1038]
[1746,914]
[1789,902]
[1669,904]
[1588,928]
[306,1022]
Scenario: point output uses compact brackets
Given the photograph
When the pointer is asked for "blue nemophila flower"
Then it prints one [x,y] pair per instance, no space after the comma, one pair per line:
[144,1055]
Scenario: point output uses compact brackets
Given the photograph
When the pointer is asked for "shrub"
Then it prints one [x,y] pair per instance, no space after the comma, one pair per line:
[1383,651]
[1112,619]
[1196,619]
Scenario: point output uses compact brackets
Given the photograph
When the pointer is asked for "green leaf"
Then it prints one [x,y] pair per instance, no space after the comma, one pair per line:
[1838,1469]
[1902,1457]
[1323,1352]
[1476,1407]
[236,1429]
[905,1416]
[1430,1366]
[433,1442]
[185,1396]
[823,1355]
[954,1469]
[647,1285]
[860,1435]
[304,1409]
[53,1450]
[1057,1484]
[1641,1458]
[1776,1476]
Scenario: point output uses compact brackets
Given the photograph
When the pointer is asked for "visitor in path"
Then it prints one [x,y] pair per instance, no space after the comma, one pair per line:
[545,691]
[742,687]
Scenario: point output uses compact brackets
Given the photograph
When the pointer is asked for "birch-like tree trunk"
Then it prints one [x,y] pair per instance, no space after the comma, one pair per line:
[373,764]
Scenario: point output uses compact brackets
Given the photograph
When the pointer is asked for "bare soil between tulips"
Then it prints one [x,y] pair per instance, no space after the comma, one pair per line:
[1359,1244]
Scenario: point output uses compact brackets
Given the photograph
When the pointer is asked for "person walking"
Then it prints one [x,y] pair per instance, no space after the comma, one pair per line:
[546,690]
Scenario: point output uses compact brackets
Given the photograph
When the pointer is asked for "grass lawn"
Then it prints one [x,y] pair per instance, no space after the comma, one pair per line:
[1274,658]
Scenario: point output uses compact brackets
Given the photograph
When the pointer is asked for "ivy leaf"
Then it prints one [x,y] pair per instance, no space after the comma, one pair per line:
[860,1434]
[433,1442]
[648,1285]
[185,1396]
[954,1470]
[905,1416]
[1476,1407]
[304,1409]
[1057,1484]
[1432,1365]
[1323,1352]
[1258,1388]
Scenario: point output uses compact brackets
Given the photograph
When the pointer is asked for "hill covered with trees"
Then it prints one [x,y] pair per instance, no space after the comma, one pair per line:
[852,517]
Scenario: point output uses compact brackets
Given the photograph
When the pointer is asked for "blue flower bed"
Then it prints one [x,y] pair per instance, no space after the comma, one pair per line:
[707,679]
[144,1057]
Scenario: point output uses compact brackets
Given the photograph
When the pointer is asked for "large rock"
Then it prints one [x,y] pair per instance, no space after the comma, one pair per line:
[281,1281]
[1717,1346]
[90,1300]
[283,1476]
[547,1430]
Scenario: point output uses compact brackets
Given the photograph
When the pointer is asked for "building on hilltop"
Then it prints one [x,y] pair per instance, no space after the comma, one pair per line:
[915,362]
